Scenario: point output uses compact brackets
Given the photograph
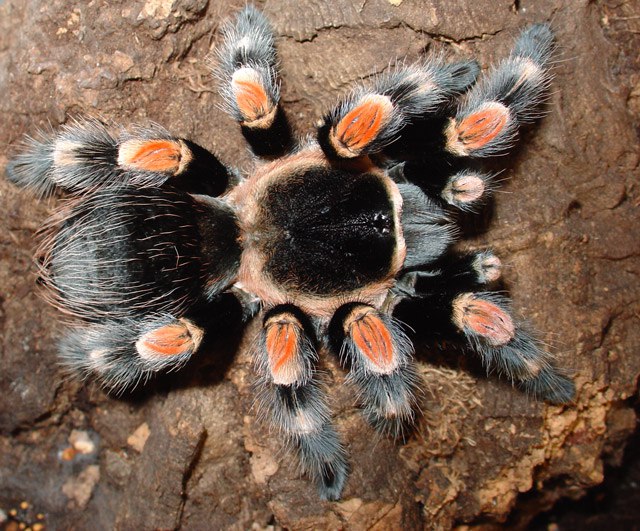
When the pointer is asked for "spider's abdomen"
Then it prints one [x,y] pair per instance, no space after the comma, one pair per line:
[315,233]
[117,252]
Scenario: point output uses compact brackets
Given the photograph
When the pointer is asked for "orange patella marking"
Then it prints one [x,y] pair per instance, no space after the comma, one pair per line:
[373,339]
[480,128]
[484,318]
[151,155]
[361,125]
[169,340]
[282,342]
[250,95]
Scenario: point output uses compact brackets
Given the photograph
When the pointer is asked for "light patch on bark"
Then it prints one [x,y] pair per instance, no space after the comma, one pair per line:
[139,437]
[80,488]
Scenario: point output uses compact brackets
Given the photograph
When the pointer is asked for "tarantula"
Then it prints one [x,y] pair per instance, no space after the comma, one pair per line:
[337,240]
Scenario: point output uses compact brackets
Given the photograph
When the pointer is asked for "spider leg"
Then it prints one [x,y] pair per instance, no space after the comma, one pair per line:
[86,155]
[247,69]
[378,356]
[485,123]
[427,229]
[509,95]
[475,269]
[483,322]
[292,400]
[428,232]
[123,353]
[372,117]
[448,182]
[467,271]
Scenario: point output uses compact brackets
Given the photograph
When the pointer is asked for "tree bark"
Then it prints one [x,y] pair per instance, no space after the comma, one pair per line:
[189,452]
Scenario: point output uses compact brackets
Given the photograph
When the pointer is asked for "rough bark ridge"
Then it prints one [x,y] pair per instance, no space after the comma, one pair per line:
[189,452]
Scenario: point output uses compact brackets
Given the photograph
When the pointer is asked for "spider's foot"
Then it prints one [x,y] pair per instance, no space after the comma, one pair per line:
[323,458]
[510,95]
[291,399]
[536,43]
[122,354]
[503,344]
[461,272]
[390,400]
[248,43]
[302,416]
[550,385]
[32,168]
[247,69]
[378,356]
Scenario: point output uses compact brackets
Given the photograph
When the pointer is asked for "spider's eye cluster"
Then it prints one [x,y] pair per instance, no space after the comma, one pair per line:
[382,223]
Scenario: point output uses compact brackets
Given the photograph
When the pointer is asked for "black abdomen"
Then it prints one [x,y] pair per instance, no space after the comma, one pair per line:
[328,231]
[126,251]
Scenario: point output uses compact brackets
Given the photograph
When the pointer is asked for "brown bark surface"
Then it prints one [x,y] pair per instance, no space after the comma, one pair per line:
[189,453]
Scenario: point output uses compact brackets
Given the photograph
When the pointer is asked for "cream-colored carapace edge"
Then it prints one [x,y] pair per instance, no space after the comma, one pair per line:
[246,199]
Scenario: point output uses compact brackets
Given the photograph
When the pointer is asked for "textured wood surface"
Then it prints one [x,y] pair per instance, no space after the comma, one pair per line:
[189,453]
